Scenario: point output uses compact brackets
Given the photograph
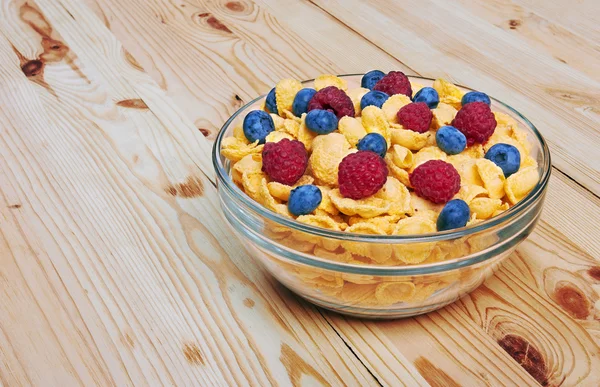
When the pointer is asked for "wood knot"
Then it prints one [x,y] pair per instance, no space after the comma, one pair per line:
[594,272]
[213,22]
[514,23]
[135,103]
[54,50]
[32,68]
[192,354]
[234,6]
[14,206]
[527,356]
[572,300]
[192,187]
[204,131]
[249,303]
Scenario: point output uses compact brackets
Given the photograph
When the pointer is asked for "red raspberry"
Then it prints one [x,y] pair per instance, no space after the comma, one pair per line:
[476,121]
[361,174]
[284,161]
[435,180]
[333,99]
[415,116]
[395,82]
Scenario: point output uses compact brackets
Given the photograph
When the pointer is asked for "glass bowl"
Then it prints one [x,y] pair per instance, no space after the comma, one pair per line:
[313,262]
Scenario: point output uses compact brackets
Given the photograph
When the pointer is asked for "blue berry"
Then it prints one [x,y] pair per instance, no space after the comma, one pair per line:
[455,214]
[271,102]
[475,96]
[369,80]
[257,124]
[321,121]
[375,98]
[301,101]
[428,95]
[506,156]
[373,142]
[304,199]
[450,140]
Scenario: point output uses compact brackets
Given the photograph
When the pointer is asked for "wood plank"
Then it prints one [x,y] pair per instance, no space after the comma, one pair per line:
[110,234]
[555,97]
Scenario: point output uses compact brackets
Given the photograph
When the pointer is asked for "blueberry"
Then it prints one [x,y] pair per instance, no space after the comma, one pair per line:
[450,140]
[257,124]
[475,96]
[455,214]
[506,156]
[304,199]
[271,102]
[375,98]
[371,78]
[321,121]
[373,142]
[301,101]
[428,95]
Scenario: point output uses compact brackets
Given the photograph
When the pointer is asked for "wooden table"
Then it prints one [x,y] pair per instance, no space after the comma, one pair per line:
[115,265]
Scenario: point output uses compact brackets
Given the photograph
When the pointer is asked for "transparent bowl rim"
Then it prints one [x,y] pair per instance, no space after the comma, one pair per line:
[521,207]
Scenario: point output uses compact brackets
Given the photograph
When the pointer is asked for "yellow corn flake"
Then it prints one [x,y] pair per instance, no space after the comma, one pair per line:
[428,214]
[397,172]
[367,208]
[251,163]
[484,208]
[373,120]
[408,138]
[277,136]
[413,253]
[290,127]
[285,92]
[352,129]
[252,183]
[298,245]
[358,294]
[337,256]
[468,192]
[529,162]
[326,203]
[492,177]
[238,132]
[356,95]
[305,135]
[426,154]
[385,222]
[326,80]
[393,104]
[234,149]
[519,184]
[396,193]
[415,87]
[466,168]
[503,207]
[521,137]
[288,115]
[277,121]
[401,156]
[448,92]
[420,204]
[474,151]
[378,252]
[443,115]
[424,291]
[437,255]
[282,191]
[389,293]
[328,152]
[319,221]
[503,120]
[265,198]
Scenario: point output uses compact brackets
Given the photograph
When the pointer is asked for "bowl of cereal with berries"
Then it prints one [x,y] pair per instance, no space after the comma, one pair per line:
[380,195]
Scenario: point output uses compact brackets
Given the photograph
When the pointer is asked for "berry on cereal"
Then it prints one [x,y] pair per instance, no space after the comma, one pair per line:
[361,174]
[428,95]
[415,116]
[373,142]
[304,199]
[321,121]
[370,79]
[395,82]
[271,102]
[301,100]
[476,121]
[257,125]
[450,140]
[334,99]
[284,161]
[506,156]
[455,214]
[435,180]
[374,98]
[475,96]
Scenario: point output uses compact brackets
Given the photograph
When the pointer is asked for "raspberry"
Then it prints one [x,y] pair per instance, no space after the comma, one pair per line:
[435,180]
[284,161]
[395,82]
[333,99]
[361,174]
[476,121]
[415,116]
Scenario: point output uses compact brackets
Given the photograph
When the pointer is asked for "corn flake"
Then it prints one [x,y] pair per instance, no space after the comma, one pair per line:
[352,129]
[277,121]
[426,154]
[356,95]
[413,253]
[326,80]
[484,208]
[282,191]
[401,156]
[408,138]
[504,120]
[396,193]
[385,222]
[367,208]
[468,192]
[276,136]
[420,204]
[448,92]
[474,151]
[373,120]
[235,150]
[492,177]
[389,293]
[238,132]
[443,115]
[305,135]
[377,252]
[466,168]
[393,104]
[252,183]
[326,203]
[519,184]
[291,127]
[397,172]
[415,87]
[251,163]
[328,152]
[285,92]
[339,255]
[354,294]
